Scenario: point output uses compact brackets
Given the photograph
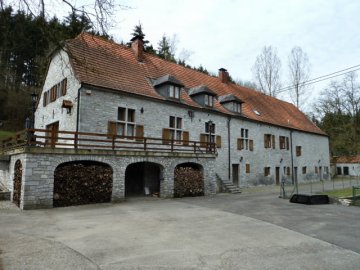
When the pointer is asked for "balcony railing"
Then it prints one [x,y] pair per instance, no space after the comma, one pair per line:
[83,140]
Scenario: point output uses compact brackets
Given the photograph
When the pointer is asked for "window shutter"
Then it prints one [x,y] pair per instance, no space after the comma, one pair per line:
[251,145]
[247,168]
[218,141]
[111,129]
[265,141]
[166,136]
[45,98]
[185,137]
[202,140]
[64,87]
[240,144]
[287,143]
[273,141]
[139,132]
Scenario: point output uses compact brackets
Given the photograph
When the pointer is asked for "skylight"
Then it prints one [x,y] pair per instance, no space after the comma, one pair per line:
[256,112]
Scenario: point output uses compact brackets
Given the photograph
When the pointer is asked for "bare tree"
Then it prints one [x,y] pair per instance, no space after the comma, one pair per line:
[299,72]
[266,71]
[99,12]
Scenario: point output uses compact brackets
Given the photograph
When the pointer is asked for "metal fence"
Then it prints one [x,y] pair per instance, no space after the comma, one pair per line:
[315,187]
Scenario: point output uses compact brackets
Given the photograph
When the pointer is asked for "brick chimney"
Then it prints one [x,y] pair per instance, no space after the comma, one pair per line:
[223,75]
[137,45]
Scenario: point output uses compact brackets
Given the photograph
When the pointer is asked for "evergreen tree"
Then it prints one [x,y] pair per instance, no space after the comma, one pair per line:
[164,49]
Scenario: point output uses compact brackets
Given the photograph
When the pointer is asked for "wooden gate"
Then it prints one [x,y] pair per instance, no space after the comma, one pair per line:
[17,183]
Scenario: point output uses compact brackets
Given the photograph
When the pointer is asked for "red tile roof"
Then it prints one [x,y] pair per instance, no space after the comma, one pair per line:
[346,159]
[106,64]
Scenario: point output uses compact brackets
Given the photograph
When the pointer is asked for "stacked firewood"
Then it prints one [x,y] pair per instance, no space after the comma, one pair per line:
[77,184]
[188,182]
[17,183]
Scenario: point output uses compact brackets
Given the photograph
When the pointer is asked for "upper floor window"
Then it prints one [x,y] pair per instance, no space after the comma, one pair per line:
[267,171]
[210,132]
[244,142]
[269,141]
[298,151]
[209,100]
[237,107]
[284,142]
[175,127]
[126,122]
[174,91]
[56,91]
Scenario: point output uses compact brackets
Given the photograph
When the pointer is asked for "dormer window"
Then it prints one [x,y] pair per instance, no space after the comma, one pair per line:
[209,100]
[174,91]
[237,107]
[231,103]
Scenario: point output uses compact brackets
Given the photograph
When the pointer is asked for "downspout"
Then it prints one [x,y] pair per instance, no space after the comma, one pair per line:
[78,110]
[229,154]
[292,163]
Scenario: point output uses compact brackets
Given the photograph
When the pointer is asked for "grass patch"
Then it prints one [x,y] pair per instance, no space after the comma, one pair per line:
[346,192]
[5,134]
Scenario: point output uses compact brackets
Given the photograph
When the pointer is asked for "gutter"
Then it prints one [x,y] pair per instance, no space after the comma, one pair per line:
[292,162]
[78,109]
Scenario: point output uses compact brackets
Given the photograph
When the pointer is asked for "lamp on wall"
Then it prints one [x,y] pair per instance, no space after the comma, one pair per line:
[142,110]
[281,160]
[319,161]
[241,159]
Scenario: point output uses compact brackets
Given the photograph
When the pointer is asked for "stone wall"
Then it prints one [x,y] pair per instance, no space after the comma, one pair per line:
[38,173]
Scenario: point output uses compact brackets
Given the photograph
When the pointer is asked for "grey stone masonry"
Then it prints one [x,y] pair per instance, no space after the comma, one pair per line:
[39,165]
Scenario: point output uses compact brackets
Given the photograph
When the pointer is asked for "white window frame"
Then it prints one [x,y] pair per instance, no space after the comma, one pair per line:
[244,135]
[237,107]
[174,91]
[126,123]
[209,100]
[176,132]
[207,133]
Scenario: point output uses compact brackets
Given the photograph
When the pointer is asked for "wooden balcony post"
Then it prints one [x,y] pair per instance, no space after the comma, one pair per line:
[76,137]
[144,144]
[113,142]
[172,145]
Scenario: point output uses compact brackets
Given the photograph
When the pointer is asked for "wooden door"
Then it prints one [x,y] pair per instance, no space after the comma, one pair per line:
[277,175]
[235,174]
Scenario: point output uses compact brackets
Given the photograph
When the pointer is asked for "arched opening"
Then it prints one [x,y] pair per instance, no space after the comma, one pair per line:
[142,179]
[17,183]
[82,182]
[188,180]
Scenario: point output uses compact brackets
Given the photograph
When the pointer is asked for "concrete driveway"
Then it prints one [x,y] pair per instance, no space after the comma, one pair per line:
[190,233]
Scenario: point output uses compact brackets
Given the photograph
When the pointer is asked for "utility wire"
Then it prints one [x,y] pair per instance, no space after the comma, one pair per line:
[322,78]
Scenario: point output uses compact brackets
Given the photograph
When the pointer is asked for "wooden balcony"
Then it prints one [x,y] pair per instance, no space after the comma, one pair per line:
[58,139]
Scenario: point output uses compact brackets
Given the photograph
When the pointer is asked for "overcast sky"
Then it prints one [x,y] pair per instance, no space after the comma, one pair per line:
[231,33]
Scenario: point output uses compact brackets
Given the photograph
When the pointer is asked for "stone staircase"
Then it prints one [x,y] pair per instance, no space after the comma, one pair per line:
[228,186]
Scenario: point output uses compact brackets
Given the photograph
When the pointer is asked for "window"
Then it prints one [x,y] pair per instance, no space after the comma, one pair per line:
[304,170]
[174,91]
[346,170]
[237,107]
[56,91]
[175,124]
[316,170]
[338,170]
[298,151]
[267,171]
[126,122]
[209,100]
[269,141]
[326,170]
[288,171]
[244,142]
[210,132]
[284,142]
[247,168]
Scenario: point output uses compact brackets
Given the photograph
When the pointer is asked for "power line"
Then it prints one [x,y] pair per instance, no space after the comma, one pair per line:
[322,78]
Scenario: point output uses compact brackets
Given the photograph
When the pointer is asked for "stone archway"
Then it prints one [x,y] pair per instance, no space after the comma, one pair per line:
[188,180]
[143,178]
[82,182]
[17,183]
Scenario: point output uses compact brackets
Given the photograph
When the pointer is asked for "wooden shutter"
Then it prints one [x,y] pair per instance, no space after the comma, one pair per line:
[185,137]
[45,98]
[63,87]
[203,140]
[266,141]
[247,168]
[139,132]
[251,145]
[240,144]
[288,170]
[218,141]
[111,129]
[273,141]
[166,136]
[287,143]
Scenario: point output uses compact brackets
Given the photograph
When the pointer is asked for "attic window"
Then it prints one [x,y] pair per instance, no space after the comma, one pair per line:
[256,112]
[237,107]
[209,100]
[174,91]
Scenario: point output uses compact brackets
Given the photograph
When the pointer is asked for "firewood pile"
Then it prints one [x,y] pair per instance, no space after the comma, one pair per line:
[78,184]
[188,182]
[17,183]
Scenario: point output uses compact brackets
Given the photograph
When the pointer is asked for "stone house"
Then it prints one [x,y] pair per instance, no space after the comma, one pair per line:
[345,166]
[95,86]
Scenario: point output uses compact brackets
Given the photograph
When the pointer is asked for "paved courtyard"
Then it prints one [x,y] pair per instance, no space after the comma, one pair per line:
[244,231]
